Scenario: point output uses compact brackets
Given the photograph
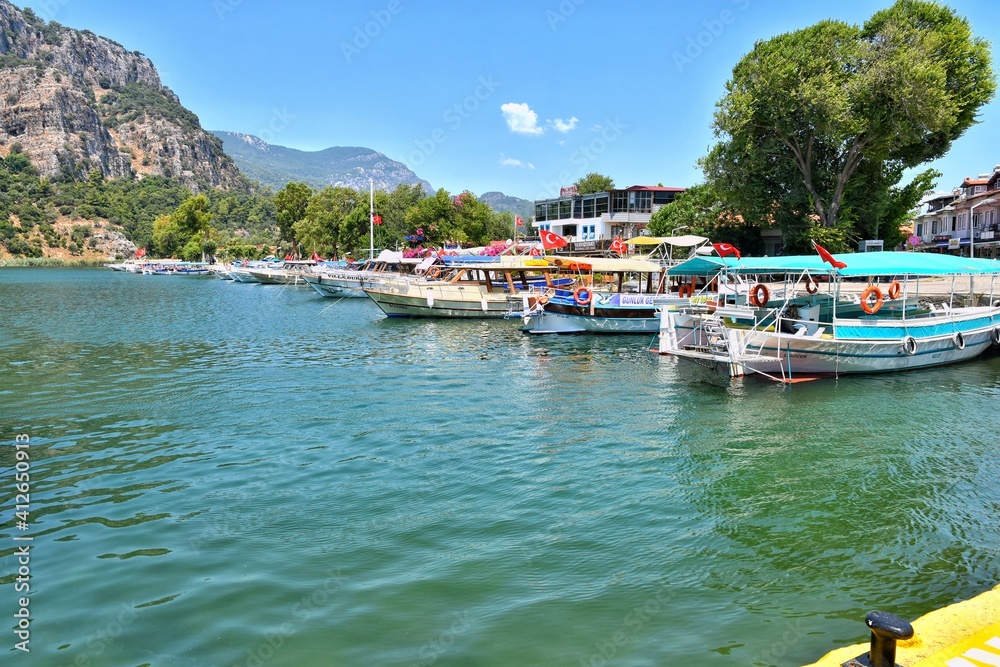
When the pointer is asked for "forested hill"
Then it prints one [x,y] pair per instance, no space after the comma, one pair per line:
[74,102]
[346,166]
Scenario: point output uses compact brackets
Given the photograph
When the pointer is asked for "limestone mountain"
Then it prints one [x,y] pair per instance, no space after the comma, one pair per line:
[498,201]
[76,102]
[348,166]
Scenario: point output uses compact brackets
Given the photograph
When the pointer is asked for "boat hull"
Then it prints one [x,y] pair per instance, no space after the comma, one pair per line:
[858,347]
[430,300]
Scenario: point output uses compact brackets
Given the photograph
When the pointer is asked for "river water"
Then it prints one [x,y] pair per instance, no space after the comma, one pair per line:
[236,475]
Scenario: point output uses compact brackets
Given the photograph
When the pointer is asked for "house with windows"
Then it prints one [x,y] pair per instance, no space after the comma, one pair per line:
[601,216]
[963,221]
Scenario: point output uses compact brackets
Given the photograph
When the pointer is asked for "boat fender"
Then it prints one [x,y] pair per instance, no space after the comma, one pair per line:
[996,336]
[583,296]
[430,298]
[871,308]
[958,340]
[486,306]
[910,345]
[759,295]
[894,289]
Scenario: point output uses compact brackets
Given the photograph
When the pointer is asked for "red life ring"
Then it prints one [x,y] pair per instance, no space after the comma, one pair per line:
[582,295]
[872,308]
[685,291]
[812,285]
[894,289]
[760,295]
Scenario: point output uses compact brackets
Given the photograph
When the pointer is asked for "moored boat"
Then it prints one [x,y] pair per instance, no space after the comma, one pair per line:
[918,316]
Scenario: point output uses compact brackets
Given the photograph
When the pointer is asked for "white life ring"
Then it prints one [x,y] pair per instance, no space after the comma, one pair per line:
[910,345]
[958,340]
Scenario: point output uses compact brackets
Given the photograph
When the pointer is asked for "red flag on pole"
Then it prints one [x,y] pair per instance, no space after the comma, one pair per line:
[140,253]
[518,221]
[726,249]
[827,257]
[619,246]
[551,240]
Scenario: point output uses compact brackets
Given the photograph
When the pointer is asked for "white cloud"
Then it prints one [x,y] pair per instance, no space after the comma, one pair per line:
[520,118]
[513,162]
[563,126]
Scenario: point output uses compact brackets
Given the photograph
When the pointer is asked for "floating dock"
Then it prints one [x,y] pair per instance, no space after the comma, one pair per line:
[965,634]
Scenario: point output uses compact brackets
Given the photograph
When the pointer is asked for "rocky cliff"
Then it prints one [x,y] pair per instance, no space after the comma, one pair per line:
[76,102]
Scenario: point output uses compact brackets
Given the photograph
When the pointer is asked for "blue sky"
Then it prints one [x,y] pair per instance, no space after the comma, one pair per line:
[517,96]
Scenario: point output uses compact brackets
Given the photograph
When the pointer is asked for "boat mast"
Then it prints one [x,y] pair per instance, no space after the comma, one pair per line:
[371,217]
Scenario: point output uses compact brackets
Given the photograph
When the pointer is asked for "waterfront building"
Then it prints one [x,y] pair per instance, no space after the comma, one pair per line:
[952,222]
[594,219]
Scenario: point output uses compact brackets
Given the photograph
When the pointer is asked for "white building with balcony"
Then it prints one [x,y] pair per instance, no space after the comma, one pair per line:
[601,216]
[954,221]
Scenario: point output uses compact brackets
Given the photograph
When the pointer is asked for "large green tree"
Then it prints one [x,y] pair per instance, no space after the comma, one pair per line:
[291,204]
[185,231]
[809,116]
[594,182]
[325,214]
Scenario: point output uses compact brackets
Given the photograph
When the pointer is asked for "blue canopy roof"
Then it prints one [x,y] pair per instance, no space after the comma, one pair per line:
[858,265]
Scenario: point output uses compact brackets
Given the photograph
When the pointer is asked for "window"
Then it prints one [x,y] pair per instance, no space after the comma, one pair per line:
[566,209]
[978,189]
[601,205]
[588,208]
[588,233]
[920,229]
[620,203]
[540,212]
[961,221]
[934,227]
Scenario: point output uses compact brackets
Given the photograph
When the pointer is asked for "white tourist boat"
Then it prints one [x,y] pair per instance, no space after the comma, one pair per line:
[926,310]
[348,281]
[607,295]
[289,272]
[465,287]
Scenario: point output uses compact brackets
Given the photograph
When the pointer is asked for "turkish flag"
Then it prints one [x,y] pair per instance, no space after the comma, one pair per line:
[726,249]
[827,257]
[619,246]
[140,253]
[518,221]
[551,240]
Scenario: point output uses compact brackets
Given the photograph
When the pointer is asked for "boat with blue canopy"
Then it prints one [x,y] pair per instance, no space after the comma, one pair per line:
[800,317]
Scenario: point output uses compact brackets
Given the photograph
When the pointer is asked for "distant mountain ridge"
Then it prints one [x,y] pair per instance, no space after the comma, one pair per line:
[348,166]
[502,203]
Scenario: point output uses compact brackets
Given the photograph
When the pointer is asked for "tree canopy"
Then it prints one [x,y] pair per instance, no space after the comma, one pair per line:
[594,182]
[817,126]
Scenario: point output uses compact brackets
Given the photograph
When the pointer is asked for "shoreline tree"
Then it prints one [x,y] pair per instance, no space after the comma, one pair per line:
[817,126]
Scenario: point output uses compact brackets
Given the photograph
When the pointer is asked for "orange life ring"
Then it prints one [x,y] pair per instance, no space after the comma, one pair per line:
[685,291]
[894,289]
[536,251]
[579,298]
[543,299]
[871,309]
[812,285]
[759,295]
[433,272]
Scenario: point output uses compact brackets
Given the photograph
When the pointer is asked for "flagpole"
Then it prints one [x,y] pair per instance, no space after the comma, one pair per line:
[371,218]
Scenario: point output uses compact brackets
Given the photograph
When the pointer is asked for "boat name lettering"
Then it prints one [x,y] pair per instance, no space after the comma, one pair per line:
[636,300]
